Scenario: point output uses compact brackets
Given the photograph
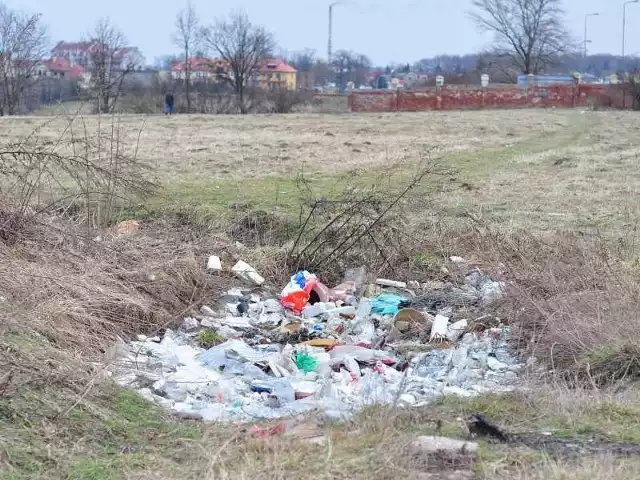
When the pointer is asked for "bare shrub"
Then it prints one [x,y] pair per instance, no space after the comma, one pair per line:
[284,100]
[81,175]
[360,227]
[632,87]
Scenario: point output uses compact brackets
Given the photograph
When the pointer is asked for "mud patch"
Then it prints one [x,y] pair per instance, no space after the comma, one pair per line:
[562,448]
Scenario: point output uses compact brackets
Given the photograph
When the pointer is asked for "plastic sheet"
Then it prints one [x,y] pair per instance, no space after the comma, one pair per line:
[386,304]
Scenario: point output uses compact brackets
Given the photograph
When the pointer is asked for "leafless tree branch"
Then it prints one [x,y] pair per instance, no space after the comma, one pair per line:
[529,33]
[110,61]
[23,44]
[187,39]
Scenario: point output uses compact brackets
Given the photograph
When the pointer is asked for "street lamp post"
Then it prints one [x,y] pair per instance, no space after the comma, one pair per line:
[586,17]
[624,22]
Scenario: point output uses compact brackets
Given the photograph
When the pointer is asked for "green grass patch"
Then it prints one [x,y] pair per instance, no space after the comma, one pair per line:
[209,338]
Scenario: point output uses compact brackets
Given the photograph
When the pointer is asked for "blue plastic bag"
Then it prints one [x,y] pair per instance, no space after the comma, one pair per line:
[386,304]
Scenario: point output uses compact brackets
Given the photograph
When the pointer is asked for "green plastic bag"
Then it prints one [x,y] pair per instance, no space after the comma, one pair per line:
[306,363]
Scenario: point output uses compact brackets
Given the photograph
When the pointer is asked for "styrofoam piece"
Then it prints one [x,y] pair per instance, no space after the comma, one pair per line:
[314,310]
[439,328]
[456,330]
[214,263]
[246,272]
[390,283]
[346,310]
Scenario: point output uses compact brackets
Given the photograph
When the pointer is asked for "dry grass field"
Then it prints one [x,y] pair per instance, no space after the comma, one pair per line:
[547,168]
[548,198]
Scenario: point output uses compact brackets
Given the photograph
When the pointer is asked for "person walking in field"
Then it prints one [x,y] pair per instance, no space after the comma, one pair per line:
[168,103]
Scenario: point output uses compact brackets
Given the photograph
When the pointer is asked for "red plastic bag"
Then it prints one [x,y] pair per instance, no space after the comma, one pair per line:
[296,301]
[262,432]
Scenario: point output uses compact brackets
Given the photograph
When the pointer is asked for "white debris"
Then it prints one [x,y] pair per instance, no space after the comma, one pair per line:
[428,444]
[439,328]
[492,291]
[271,305]
[247,273]
[314,310]
[189,324]
[228,382]
[227,332]
[208,311]
[407,399]
[456,330]
[210,322]
[214,263]
[390,283]
[457,391]
[456,259]
[496,365]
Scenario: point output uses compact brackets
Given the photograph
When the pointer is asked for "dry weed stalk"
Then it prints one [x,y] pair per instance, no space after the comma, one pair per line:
[360,227]
[85,176]
[86,292]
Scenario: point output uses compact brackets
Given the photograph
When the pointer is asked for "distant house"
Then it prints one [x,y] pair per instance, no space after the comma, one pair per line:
[77,53]
[59,68]
[81,53]
[372,75]
[277,73]
[202,69]
[271,73]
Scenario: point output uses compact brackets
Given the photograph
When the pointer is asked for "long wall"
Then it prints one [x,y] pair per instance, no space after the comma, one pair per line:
[458,97]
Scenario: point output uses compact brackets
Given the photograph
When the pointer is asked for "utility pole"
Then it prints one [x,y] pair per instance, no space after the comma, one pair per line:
[624,22]
[330,31]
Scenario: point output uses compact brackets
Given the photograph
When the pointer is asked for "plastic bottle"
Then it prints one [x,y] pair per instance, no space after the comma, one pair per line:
[364,310]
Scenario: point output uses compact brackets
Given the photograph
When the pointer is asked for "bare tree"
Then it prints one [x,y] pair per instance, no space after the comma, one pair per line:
[349,66]
[187,39]
[242,46]
[304,61]
[529,34]
[110,61]
[23,44]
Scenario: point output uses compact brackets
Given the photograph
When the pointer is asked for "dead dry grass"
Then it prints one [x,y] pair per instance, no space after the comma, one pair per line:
[85,293]
[542,169]
[260,145]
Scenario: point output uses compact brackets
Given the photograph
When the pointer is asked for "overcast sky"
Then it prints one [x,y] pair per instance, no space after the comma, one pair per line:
[385,30]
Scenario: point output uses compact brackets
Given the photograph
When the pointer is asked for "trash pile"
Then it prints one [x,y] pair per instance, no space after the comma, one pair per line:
[330,349]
